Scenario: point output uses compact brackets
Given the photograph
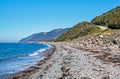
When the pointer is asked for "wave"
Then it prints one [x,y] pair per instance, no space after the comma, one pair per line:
[41,50]
[49,46]
[33,54]
[37,52]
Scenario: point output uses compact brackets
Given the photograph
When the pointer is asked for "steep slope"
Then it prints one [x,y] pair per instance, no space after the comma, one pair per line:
[78,30]
[44,36]
[110,19]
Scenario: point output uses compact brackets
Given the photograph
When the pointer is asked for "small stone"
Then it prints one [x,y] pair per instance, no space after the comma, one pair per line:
[119,46]
[106,77]
[100,43]
[101,36]
[115,42]
[85,78]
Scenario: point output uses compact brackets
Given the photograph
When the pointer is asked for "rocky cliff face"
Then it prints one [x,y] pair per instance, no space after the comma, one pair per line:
[43,36]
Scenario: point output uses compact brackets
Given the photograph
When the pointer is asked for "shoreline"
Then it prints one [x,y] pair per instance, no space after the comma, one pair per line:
[71,63]
[65,62]
[24,74]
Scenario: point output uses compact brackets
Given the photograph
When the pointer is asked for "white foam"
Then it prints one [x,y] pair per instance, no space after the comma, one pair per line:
[49,45]
[36,52]
[41,50]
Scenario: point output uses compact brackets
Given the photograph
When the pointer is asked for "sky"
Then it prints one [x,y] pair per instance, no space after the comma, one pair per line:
[21,18]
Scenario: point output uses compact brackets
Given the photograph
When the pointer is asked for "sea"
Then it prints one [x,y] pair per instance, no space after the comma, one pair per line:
[16,57]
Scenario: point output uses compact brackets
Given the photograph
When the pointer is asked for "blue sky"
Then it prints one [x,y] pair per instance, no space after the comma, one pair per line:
[20,18]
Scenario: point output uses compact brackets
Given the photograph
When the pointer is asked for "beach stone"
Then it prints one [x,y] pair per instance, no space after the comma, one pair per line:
[101,36]
[100,43]
[119,46]
[115,42]
[106,77]
[85,78]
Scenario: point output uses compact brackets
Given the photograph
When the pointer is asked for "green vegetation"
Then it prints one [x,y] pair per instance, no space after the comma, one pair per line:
[81,29]
[111,19]
[112,31]
[96,30]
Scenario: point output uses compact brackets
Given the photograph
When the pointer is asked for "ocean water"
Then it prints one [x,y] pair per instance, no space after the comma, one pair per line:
[16,57]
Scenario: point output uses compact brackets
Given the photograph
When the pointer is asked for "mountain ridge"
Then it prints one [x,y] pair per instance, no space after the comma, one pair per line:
[43,36]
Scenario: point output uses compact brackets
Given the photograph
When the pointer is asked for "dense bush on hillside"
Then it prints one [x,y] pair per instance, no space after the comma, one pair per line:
[78,30]
[110,19]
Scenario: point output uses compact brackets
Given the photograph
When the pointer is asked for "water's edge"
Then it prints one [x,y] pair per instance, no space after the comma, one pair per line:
[44,57]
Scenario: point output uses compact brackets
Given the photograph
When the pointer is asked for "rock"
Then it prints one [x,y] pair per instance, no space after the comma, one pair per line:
[115,41]
[85,78]
[100,43]
[106,77]
[101,36]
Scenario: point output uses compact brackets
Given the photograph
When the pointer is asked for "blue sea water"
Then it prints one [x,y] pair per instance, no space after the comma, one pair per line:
[16,57]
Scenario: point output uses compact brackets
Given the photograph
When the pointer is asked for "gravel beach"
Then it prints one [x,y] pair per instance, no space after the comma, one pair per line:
[72,63]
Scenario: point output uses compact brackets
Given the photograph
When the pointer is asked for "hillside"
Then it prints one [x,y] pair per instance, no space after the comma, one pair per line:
[43,36]
[104,39]
[110,19]
[81,29]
